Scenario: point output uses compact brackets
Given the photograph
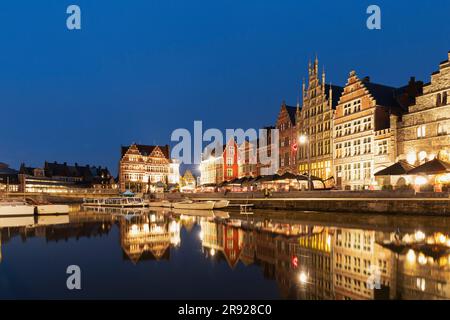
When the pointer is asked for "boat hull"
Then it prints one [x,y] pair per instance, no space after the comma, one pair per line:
[53,209]
[16,210]
[194,205]
[160,204]
[221,204]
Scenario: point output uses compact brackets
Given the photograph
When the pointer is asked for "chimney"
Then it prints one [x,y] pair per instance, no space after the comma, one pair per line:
[76,164]
[65,164]
[366,79]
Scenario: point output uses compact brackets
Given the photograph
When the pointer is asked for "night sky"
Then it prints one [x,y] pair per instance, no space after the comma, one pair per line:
[140,69]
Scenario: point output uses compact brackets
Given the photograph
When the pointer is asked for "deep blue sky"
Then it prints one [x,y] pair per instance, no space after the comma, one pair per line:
[139,69]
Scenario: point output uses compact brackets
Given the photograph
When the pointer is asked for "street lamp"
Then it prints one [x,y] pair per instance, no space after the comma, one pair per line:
[303,139]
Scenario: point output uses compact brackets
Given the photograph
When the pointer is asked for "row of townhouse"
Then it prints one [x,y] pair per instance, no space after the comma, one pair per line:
[349,133]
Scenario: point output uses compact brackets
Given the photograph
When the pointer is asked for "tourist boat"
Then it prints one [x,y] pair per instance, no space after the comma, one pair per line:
[221,204]
[15,208]
[188,204]
[122,202]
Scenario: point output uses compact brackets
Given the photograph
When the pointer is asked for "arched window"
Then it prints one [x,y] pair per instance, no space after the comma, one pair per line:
[444,98]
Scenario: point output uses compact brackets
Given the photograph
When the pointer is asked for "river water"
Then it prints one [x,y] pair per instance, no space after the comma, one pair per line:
[220,255]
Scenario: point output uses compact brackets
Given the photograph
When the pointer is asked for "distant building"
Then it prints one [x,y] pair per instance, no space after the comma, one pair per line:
[63,178]
[247,160]
[286,124]
[268,152]
[188,182]
[424,132]
[363,140]
[142,168]
[9,178]
[217,168]
[315,122]
[174,172]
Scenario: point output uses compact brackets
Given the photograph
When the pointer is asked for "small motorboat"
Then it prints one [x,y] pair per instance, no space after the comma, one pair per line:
[221,204]
[188,204]
[16,208]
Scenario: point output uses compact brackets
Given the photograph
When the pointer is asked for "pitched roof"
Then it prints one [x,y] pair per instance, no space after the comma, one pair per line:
[292,111]
[146,150]
[385,96]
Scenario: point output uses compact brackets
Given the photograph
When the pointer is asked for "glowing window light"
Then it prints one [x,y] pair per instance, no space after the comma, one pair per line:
[422,155]
[411,158]
[422,259]
[419,236]
[441,238]
[411,256]
[146,228]
[212,252]
[134,230]
[200,235]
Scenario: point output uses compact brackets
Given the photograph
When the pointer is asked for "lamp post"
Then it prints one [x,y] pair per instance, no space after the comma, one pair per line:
[303,140]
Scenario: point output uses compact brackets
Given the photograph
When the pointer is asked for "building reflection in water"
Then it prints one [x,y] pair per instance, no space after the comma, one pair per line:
[307,260]
[320,262]
[148,236]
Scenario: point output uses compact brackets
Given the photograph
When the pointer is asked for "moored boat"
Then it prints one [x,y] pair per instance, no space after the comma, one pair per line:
[188,204]
[221,204]
[16,208]
[121,202]
[160,204]
[221,214]
[52,209]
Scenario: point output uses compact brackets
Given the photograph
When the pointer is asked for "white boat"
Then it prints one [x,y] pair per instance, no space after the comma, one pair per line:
[188,204]
[221,204]
[52,209]
[122,202]
[160,204]
[16,208]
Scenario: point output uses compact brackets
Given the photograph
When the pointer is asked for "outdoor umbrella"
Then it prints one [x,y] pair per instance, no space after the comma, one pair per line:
[434,166]
[287,176]
[397,169]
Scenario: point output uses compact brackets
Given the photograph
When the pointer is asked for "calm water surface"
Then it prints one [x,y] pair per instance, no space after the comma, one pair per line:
[206,255]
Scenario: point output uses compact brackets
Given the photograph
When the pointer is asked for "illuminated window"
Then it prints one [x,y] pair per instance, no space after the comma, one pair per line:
[421,131]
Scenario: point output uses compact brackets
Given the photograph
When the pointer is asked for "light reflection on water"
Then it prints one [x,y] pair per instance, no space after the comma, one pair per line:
[162,254]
